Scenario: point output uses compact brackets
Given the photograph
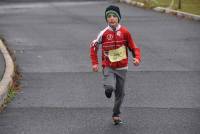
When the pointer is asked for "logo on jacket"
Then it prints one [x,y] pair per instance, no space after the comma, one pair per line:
[118,33]
[109,36]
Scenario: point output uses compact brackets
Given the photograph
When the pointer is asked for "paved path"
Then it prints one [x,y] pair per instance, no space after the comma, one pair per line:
[61,95]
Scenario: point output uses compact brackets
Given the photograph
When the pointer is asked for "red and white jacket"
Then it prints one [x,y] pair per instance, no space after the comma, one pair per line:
[115,45]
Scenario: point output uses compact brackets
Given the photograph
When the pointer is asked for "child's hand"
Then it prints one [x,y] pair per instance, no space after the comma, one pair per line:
[95,68]
[136,62]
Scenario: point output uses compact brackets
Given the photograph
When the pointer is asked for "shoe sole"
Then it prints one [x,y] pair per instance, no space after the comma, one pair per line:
[108,94]
[117,122]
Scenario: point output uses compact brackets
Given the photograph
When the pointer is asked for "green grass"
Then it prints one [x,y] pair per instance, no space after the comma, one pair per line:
[190,6]
[11,94]
[10,97]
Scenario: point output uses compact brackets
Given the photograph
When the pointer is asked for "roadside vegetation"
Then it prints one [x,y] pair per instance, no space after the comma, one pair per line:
[190,6]
[15,87]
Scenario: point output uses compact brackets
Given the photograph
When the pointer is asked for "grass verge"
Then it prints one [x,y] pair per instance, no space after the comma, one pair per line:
[189,6]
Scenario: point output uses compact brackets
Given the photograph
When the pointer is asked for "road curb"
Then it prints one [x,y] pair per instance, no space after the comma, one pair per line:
[7,79]
[165,10]
[178,13]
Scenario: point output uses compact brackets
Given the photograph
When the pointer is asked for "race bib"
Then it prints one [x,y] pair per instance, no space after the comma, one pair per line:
[117,54]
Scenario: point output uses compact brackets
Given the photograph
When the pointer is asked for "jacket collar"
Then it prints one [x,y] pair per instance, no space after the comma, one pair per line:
[117,28]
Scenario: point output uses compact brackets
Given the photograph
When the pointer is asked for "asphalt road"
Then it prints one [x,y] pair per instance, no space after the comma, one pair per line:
[36,1]
[61,95]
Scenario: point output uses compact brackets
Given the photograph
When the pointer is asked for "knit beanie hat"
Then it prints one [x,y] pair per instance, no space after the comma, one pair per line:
[114,10]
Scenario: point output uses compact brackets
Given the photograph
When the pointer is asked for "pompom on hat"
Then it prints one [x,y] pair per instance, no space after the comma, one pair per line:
[114,10]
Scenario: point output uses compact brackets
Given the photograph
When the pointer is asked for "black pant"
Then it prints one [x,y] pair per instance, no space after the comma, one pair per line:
[115,80]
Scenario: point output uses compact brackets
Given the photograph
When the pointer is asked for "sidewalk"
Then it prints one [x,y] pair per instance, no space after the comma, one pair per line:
[2,65]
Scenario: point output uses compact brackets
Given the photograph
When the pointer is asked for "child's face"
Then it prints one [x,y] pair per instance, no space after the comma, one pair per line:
[112,20]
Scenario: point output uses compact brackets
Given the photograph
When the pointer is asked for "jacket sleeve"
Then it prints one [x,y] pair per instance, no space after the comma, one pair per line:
[132,46]
[93,53]
[94,46]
